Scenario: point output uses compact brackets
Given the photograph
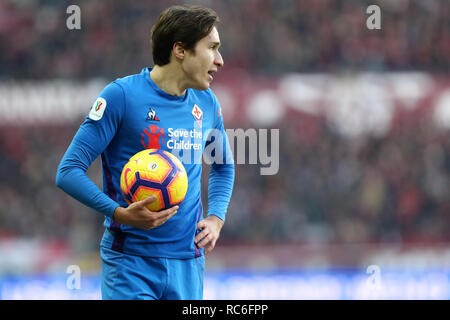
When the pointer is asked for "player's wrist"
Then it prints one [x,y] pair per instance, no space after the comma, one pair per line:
[219,222]
[118,214]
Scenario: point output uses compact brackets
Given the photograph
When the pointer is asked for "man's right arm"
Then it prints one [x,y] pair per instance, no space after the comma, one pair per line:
[89,142]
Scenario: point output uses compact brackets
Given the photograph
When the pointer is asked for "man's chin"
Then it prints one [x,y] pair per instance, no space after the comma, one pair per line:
[203,86]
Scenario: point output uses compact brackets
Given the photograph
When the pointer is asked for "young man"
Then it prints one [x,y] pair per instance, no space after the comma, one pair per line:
[157,255]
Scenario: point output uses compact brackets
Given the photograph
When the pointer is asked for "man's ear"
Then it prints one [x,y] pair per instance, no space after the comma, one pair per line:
[178,50]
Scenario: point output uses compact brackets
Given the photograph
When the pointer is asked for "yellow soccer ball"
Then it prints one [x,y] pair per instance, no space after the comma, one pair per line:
[154,172]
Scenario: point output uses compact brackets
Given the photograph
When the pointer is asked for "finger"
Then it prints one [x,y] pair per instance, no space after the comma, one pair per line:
[209,247]
[166,214]
[201,224]
[200,236]
[148,200]
[204,241]
[161,220]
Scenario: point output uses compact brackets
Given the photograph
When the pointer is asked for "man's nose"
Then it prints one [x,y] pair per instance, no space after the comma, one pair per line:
[218,60]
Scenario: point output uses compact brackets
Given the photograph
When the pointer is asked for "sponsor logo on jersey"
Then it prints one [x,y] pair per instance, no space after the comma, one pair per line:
[97,109]
[153,137]
[151,115]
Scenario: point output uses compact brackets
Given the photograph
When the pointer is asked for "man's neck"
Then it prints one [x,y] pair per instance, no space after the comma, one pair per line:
[167,78]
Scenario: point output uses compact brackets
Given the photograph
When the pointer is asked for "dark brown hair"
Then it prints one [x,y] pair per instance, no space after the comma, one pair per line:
[185,24]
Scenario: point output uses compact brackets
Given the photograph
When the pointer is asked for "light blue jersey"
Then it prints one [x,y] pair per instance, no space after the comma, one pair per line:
[130,115]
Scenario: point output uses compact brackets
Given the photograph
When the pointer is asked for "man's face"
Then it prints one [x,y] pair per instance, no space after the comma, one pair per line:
[200,64]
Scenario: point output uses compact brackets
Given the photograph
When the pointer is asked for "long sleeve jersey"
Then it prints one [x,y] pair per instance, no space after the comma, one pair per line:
[132,114]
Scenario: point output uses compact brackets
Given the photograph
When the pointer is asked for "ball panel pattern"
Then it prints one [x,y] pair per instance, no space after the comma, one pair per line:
[143,192]
[154,172]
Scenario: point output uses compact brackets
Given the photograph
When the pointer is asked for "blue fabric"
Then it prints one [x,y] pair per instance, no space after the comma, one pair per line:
[128,277]
[139,115]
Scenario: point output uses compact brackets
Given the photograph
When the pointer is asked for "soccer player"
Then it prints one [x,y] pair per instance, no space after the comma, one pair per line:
[157,255]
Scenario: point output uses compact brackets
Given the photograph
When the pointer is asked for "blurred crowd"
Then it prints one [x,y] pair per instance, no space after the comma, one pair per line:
[32,205]
[266,36]
[329,189]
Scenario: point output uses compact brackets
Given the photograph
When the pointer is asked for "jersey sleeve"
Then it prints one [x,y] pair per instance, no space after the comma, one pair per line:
[89,142]
[221,175]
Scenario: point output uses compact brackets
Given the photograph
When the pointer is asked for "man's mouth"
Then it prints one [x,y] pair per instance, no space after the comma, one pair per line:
[211,74]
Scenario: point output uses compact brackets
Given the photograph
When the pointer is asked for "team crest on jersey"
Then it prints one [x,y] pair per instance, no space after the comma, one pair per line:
[198,114]
[151,115]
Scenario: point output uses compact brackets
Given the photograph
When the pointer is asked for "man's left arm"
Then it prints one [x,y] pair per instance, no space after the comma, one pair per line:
[221,181]
[220,186]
